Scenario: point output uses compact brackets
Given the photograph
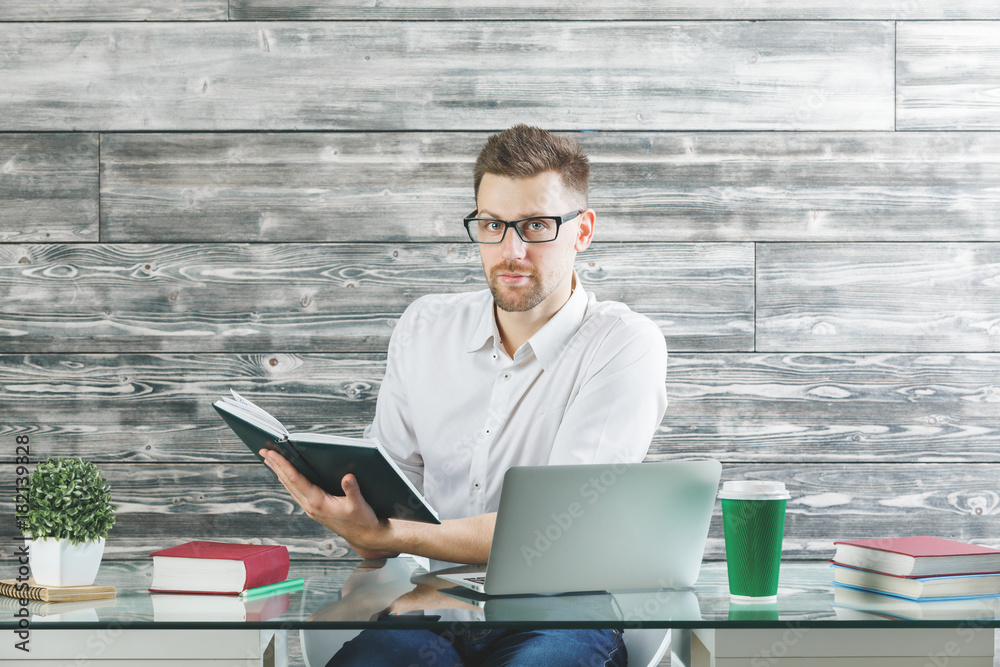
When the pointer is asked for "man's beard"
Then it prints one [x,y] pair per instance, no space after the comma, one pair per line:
[517,299]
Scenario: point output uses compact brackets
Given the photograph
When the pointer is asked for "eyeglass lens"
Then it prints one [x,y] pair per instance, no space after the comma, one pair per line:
[535,230]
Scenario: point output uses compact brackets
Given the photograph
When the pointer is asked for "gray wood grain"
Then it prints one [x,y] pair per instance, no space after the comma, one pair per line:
[598,9]
[303,187]
[48,187]
[948,75]
[116,10]
[162,505]
[447,75]
[737,408]
[873,390]
[878,297]
[157,407]
[316,297]
[703,186]
[832,408]
[862,500]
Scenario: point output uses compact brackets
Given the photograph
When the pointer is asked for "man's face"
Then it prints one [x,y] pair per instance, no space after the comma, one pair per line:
[523,276]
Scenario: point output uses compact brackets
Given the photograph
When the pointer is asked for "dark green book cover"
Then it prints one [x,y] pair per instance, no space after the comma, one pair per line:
[325,459]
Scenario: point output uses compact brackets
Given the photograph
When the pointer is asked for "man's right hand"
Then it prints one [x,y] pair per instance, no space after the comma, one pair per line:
[350,515]
[465,540]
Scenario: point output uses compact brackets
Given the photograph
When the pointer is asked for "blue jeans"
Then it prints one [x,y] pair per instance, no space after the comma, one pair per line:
[461,646]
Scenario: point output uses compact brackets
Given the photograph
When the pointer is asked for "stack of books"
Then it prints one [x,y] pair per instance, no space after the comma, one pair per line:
[917,577]
[221,581]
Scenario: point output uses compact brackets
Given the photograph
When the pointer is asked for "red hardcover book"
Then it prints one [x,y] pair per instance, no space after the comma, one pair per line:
[917,556]
[217,567]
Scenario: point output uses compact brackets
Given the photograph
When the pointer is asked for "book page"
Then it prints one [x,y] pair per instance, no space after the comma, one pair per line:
[324,439]
[251,408]
[241,413]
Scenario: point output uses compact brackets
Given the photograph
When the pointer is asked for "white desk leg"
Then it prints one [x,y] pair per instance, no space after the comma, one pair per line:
[274,648]
[795,646]
[680,648]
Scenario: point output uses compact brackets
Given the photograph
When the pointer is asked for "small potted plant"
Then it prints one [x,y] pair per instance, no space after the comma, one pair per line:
[69,516]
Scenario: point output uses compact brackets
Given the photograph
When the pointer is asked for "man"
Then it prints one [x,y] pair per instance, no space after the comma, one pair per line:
[532,371]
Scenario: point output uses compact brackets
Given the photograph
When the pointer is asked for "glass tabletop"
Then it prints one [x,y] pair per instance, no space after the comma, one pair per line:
[373,594]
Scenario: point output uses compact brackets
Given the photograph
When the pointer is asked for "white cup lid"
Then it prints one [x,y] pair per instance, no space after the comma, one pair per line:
[753,490]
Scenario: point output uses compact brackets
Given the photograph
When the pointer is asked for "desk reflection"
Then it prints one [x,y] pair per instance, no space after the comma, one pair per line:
[397,589]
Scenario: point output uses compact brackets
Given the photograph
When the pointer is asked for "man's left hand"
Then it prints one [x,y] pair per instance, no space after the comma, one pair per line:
[350,516]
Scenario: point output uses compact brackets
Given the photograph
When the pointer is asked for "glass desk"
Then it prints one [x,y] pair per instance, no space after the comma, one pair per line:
[344,595]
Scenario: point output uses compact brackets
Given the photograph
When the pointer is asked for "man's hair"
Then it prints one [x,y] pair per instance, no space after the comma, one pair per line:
[524,151]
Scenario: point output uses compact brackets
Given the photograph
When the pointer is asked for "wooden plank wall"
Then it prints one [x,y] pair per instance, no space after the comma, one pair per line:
[804,195]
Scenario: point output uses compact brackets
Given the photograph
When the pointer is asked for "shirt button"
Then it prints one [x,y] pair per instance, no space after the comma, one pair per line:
[488,431]
[477,486]
[506,376]
[494,355]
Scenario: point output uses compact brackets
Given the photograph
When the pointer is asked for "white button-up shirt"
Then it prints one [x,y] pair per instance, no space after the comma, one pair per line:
[455,411]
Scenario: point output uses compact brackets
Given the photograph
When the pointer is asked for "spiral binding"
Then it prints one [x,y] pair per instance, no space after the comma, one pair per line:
[23,591]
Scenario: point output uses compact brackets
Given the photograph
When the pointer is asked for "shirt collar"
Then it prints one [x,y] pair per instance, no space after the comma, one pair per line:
[486,329]
[549,341]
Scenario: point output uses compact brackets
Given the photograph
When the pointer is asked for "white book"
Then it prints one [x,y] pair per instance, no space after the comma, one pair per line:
[924,588]
[890,605]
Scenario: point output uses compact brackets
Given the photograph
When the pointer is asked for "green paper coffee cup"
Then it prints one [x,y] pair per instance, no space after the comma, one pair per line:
[753,519]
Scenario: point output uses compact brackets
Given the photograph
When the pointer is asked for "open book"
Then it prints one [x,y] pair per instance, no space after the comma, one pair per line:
[325,459]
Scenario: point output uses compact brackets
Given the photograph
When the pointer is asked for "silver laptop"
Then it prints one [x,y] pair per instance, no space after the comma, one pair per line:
[608,527]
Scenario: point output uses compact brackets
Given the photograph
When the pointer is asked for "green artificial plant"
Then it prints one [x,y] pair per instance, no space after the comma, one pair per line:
[68,499]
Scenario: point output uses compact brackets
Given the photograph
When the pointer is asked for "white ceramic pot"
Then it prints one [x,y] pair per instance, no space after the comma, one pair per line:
[61,563]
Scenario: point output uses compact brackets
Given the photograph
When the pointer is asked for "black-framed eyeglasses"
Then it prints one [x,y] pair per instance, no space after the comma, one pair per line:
[538,229]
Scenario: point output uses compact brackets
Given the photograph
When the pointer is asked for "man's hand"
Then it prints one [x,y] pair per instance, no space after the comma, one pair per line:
[350,516]
[422,597]
[372,586]
[464,540]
